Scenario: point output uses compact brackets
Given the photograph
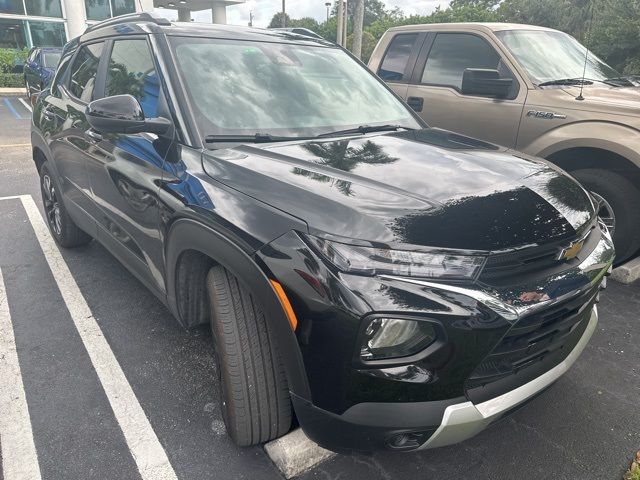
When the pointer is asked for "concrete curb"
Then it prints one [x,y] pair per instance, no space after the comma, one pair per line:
[295,454]
[628,272]
[13,92]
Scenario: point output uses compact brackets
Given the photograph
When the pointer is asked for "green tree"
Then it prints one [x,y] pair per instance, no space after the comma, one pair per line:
[373,10]
[304,22]
[276,21]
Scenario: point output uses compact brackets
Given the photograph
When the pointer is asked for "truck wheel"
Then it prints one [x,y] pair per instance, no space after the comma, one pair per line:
[65,232]
[621,206]
[253,386]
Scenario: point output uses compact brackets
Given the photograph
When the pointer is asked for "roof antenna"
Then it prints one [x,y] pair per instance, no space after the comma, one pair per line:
[586,53]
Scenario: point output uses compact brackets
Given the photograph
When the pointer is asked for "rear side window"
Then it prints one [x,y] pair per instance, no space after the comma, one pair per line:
[132,71]
[85,70]
[452,53]
[397,56]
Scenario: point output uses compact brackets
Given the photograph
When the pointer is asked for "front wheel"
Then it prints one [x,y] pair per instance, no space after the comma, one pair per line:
[254,392]
[619,208]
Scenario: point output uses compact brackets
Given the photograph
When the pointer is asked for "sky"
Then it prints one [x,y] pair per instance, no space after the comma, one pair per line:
[263,10]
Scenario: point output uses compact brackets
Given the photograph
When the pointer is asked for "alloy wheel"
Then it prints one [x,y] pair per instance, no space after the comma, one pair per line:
[605,212]
[51,205]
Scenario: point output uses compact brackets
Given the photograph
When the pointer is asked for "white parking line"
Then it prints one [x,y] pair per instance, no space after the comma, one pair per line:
[142,441]
[19,457]
[26,105]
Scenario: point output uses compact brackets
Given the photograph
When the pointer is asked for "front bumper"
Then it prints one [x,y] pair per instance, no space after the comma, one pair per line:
[464,420]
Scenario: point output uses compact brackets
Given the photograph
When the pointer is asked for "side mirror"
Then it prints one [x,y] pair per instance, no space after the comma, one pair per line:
[482,81]
[123,114]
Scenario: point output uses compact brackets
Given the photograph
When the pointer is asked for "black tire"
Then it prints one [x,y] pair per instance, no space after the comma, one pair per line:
[254,393]
[65,232]
[624,199]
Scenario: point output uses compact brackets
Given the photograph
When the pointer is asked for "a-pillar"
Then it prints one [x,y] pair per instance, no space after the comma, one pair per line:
[219,13]
[184,15]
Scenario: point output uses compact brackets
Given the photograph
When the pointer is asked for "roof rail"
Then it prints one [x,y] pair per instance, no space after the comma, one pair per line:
[300,31]
[129,18]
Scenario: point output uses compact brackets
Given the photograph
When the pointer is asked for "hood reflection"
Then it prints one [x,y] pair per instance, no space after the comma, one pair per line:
[426,187]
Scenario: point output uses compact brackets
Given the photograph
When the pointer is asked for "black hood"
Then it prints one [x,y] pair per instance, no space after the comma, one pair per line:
[427,187]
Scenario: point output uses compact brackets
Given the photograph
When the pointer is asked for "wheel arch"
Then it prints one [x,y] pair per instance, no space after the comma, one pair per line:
[40,150]
[577,158]
[191,249]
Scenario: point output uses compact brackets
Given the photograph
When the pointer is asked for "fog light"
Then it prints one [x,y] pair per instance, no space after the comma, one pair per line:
[408,441]
[393,338]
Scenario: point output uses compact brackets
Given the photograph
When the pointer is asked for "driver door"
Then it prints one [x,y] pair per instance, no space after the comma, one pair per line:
[436,86]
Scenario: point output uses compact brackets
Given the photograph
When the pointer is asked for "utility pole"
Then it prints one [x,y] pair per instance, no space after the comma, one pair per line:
[345,24]
[340,22]
[251,18]
[284,15]
[328,4]
[358,21]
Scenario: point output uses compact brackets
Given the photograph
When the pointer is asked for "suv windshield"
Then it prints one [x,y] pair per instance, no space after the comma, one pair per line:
[549,56]
[243,88]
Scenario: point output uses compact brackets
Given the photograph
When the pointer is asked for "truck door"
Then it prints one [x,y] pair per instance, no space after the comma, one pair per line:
[398,61]
[436,85]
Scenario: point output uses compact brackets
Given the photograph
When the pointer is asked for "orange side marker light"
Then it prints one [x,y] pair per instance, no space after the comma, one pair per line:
[286,304]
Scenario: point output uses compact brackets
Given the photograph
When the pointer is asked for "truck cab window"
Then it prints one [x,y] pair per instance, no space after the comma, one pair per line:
[452,53]
[396,57]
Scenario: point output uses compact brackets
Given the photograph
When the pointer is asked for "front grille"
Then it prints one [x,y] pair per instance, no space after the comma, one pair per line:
[535,344]
[533,262]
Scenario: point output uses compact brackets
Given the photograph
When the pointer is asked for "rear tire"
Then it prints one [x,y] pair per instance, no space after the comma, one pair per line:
[624,199]
[65,232]
[254,393]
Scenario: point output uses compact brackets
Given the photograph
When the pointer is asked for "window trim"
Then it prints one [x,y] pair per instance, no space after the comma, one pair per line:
[411,61]
[421,63]
[69,73]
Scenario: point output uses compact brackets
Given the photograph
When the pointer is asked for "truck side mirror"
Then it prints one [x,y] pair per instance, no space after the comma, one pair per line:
[486,82]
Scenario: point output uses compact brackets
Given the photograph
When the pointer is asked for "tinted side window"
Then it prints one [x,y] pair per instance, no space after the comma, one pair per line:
[132,71]
[84,71]
[396,57]
[452,53]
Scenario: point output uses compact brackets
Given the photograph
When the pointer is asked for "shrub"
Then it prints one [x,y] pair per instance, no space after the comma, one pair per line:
[10,57]
[11,80]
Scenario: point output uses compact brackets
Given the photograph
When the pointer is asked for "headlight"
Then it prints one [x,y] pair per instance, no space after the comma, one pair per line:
[387,338]
[377,261]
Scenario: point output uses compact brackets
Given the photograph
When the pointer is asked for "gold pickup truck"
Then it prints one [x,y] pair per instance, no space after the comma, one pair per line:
[529,88]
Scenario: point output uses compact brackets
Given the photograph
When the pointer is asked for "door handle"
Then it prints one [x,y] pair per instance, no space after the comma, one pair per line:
[93,135]
[416,103]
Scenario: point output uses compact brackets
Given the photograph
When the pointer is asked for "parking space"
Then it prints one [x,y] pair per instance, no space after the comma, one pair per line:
[113,388]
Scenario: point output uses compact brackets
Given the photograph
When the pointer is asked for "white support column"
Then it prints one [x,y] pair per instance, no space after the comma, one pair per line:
[76,17]
[219,13]
[144,6]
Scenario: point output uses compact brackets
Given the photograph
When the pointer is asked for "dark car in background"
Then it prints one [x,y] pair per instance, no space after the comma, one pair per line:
[393,286]
[39,68]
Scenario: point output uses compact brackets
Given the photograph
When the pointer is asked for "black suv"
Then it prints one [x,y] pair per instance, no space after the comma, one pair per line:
[394,286]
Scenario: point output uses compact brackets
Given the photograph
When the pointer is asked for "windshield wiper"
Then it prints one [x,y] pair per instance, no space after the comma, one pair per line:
[255,138]
[579,81]
[567,81]
[625,81]
[365,129]
[267,137]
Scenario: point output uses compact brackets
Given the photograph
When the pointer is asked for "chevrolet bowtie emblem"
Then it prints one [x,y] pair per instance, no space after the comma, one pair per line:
[571,251]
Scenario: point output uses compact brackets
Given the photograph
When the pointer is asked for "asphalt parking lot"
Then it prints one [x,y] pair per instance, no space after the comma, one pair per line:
[115,389]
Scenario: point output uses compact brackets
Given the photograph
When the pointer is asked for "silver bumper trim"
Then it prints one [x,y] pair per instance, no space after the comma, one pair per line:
[464,420]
